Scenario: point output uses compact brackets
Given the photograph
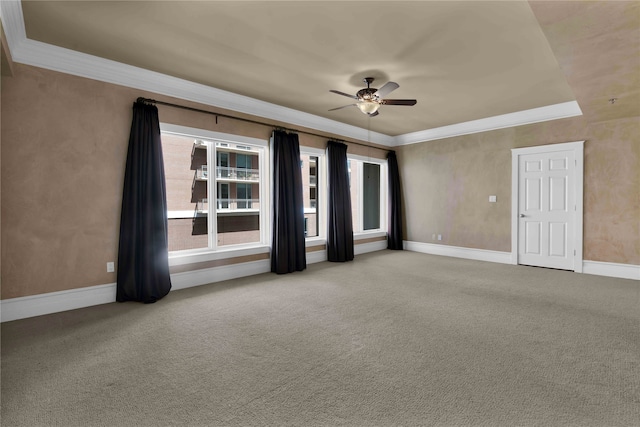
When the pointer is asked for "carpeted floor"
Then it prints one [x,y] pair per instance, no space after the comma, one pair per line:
[391,339]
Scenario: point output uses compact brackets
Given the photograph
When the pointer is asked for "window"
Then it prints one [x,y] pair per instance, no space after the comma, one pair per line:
[244,196]
[237,185]
[223,195]
[310,165]
[222,164]
[368,196]
[243,161]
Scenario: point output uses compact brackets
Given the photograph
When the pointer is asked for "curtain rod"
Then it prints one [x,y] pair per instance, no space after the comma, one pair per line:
[226,116]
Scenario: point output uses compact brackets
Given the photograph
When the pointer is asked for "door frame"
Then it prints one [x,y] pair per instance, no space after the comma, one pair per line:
[578,148]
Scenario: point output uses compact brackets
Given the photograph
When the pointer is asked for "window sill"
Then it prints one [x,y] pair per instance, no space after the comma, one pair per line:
[204,255]
[314,241]
[192,257]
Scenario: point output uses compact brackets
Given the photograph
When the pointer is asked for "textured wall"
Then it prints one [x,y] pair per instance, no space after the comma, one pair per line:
[446,186]
[597,45]
[447,183]
[612,192]
[64,146]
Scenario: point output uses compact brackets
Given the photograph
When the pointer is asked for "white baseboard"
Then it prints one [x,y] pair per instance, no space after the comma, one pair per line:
[363,248]
[459,252]
[610,269]
[189,279]
[54,302]
[316,256]
[623,271]
[321,256]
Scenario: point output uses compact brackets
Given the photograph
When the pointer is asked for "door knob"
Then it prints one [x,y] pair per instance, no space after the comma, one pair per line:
[521,215]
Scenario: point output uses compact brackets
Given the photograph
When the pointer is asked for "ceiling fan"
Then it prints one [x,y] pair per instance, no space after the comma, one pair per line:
[370,98]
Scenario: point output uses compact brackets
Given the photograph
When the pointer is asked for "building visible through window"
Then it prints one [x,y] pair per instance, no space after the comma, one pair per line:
[309,166]
[234,184]
[366,194]
[370,196]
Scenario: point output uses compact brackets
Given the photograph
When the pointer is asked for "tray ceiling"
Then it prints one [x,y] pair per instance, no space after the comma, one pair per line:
[462,61]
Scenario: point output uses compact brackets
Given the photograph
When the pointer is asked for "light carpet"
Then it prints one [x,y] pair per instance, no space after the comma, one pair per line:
[390,339]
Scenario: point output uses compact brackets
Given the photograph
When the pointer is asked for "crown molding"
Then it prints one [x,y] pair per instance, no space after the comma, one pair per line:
[12,22]
[38,54]
[43,55]
[67,61]
[519,118]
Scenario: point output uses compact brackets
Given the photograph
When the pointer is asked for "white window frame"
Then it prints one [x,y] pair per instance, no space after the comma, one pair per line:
[214,252]
[384,198]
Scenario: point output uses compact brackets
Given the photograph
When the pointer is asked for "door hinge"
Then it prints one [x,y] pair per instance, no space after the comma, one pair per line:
[574,252]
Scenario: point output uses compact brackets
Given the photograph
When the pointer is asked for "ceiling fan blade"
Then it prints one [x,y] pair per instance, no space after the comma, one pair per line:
[344,106]
[343,94]
[386,89]
[398,101]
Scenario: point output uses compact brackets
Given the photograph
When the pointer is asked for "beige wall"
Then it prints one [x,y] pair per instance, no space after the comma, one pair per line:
[447,184]
[64,146]
[64,141]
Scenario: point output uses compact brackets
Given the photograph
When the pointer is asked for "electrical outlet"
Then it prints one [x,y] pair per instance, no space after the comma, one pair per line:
[111,267]
[439,236]
[493,199]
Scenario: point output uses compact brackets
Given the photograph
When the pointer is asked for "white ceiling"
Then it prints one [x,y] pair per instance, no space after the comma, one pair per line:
[462,61]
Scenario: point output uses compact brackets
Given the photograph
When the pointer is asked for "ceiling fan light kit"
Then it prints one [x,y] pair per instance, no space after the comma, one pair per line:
[368,107]
[370,99]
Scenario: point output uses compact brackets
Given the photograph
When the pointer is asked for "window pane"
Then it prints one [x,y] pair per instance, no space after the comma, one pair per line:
[366,194]
[244,196]
[309,165]
[223,196]
[222,165]
[186,173]
[371,196]
[243,161]
[238,213]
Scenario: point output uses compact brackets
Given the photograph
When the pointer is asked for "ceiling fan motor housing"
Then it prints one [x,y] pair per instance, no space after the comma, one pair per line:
[367,94]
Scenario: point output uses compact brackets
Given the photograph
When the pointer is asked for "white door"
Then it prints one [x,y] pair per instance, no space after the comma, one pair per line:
[547,208]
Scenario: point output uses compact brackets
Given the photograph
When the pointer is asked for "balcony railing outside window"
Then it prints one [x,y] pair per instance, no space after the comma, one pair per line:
[202,206]
[202,172]
[239,174]
[235,204]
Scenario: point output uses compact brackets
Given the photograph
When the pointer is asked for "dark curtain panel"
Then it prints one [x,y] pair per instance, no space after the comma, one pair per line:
[339,224]
[288,252]
[394,239]
[143,262]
